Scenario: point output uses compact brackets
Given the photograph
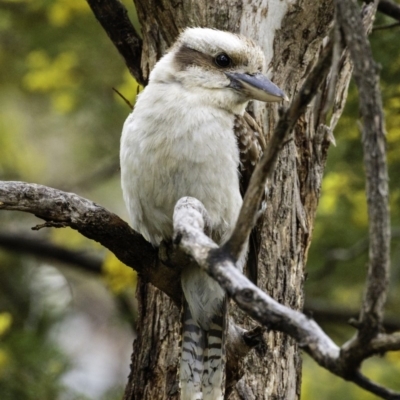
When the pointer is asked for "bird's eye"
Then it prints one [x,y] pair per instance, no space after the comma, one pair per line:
[223,60]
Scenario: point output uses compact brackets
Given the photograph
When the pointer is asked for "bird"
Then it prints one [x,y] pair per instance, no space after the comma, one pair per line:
[189,134]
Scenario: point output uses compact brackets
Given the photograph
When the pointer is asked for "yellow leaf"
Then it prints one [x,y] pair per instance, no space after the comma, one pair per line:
[5,322]
[332,188]
[117,275]
[63,102]
[62,11]
[46,75]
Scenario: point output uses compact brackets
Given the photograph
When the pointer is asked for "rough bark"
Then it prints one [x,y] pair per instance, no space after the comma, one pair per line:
[291,34]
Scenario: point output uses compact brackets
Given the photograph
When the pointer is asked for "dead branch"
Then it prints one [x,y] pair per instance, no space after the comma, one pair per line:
[188,235]
[159,267]
[389,8]
[374,146]
[325,313]
[189,221]
[114,19]
[383,27]
[43,248]
[61,209]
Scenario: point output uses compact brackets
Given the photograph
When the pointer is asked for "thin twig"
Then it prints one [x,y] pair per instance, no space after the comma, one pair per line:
[330,314]
[373,387]
[383,27]
[124,98]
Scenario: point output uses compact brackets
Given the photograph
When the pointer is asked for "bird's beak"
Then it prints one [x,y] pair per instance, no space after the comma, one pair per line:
[256,87]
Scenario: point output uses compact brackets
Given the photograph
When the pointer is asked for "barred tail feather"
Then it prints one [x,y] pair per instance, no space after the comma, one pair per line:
[213,382]
[202,372]
[192,365]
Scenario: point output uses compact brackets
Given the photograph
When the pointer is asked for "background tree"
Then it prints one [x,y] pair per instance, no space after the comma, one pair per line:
[295,186]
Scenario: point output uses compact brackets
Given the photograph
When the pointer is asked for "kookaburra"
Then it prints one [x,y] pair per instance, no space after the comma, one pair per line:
[179,141]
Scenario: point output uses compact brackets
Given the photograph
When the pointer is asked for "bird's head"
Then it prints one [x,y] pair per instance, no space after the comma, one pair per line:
[222,68]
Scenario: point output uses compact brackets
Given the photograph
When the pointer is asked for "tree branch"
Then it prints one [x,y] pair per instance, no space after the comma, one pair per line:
[159,267]
[188,235]
[114,19]
[329,314]
[43,248]
[66,209]
[383,343]
[266,166]
[218,263]
[374,146]
[61,209]
[383,27]
[389,8]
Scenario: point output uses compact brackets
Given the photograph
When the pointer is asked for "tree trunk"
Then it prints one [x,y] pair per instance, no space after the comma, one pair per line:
[291,33]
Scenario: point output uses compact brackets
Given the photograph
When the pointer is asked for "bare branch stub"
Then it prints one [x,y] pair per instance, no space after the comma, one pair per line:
[374,146]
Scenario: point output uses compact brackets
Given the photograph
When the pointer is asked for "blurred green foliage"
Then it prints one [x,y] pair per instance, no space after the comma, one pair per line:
[60,124]
[341,227]
[31,365]
[342,218]
[57,70]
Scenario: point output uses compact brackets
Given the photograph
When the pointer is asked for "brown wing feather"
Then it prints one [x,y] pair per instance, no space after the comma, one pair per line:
[251,144]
